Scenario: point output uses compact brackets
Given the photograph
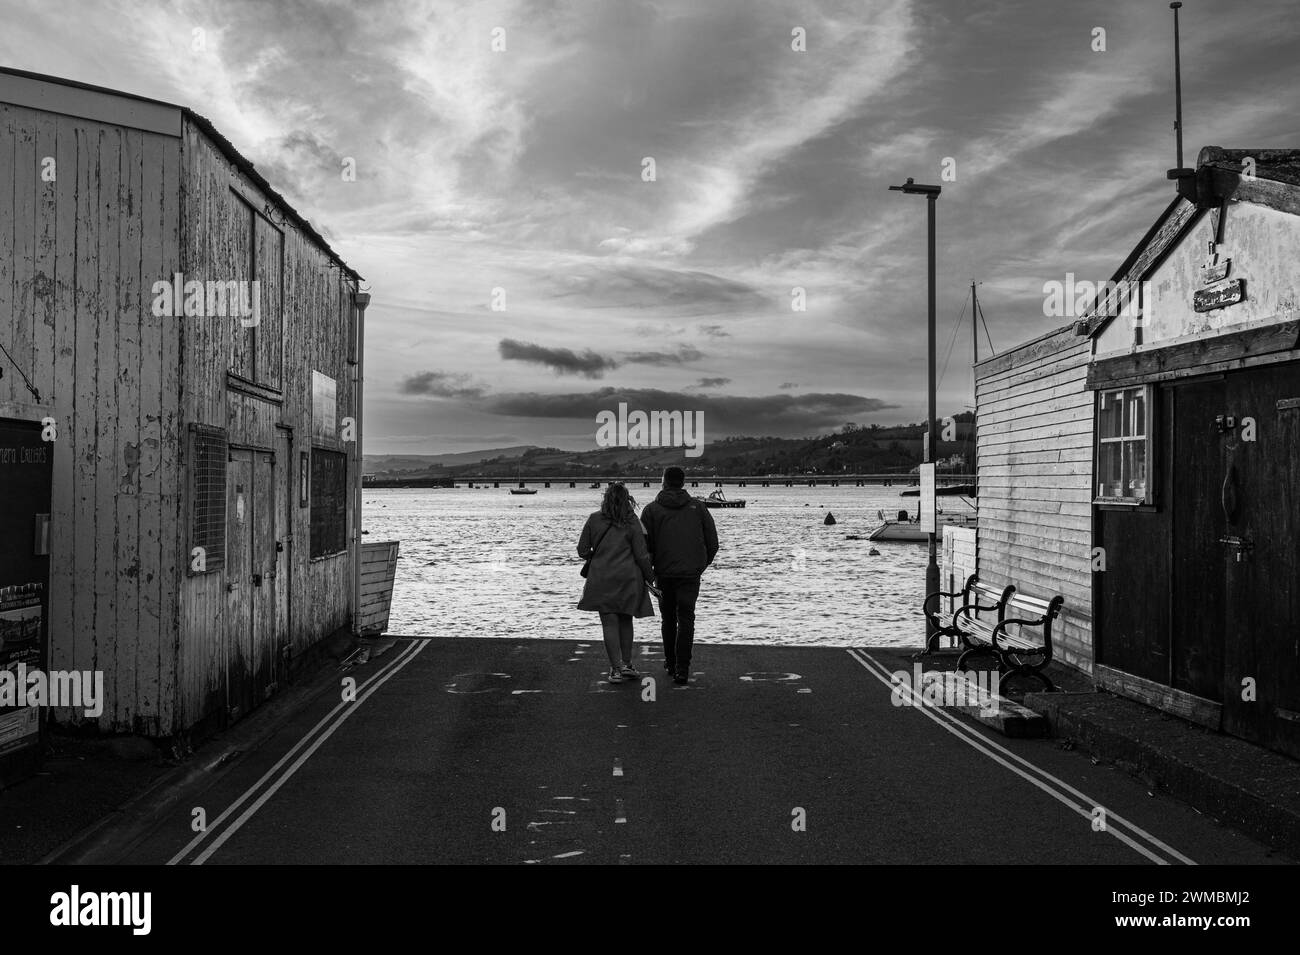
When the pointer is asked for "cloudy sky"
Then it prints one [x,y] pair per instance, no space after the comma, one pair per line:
[523,170]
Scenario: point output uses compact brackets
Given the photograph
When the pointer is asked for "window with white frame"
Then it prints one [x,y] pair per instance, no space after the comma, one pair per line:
[1124,446]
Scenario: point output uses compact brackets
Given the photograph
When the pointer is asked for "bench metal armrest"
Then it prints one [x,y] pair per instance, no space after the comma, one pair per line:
[925,605]
[1001,628]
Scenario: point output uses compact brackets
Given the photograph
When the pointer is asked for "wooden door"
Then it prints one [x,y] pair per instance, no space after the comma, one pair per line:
[1131,598]
[1198,599]
[239,587]
[284,503]
[262,628]
[1260,560]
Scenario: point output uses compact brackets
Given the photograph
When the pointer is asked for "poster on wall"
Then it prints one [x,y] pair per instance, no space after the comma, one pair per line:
[21,619]
[324,411]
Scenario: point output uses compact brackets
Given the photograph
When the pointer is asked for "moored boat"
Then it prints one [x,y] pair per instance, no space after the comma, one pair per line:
[718,499]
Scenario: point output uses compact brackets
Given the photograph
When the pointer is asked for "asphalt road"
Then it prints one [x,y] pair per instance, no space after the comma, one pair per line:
[495,751]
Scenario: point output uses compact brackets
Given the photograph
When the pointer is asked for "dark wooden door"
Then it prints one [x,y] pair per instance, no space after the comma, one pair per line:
[1198,600]
[1261,557]
[1132,596]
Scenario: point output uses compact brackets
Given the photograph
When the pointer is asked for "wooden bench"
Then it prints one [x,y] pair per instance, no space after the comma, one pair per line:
[1005,636]
[975,598]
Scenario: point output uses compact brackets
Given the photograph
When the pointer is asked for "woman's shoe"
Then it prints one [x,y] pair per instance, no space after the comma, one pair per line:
[630,672]
[614,675]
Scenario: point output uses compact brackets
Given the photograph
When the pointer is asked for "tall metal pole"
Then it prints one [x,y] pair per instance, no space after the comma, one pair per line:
[913,188]
[931,446]
[974,326]
[359,301]
[1178,88]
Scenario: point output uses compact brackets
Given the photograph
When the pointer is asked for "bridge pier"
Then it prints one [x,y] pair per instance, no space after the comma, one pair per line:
[695,484]
[496,484]
[548,484]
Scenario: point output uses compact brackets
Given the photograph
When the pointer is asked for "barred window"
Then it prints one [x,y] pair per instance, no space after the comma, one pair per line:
[208,453]
[329,502]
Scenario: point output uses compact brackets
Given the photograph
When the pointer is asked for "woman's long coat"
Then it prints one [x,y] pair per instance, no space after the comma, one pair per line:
[620,567]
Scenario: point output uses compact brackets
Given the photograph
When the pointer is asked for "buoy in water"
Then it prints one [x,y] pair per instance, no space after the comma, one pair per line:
[830,519]
[873,553]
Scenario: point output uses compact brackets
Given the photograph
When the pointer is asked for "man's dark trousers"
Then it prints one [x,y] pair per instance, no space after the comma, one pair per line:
[677,610]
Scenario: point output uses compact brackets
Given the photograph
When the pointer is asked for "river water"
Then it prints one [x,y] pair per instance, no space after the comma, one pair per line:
[482,562]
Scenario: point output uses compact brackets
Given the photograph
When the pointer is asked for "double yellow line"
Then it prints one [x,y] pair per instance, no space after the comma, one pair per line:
[1136,838]
[274,777]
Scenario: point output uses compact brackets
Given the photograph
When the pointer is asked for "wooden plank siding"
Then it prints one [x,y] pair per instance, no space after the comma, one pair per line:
[1035,425]
[251,382]
[75,313]
[132,204]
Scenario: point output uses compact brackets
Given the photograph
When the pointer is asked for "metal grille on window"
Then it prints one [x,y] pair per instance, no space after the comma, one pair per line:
[209,452]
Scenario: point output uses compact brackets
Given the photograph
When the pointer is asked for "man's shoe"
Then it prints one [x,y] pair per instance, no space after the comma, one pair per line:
[681,677]
[670,669]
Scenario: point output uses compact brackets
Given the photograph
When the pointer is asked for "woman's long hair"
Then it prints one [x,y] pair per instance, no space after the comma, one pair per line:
[617,506]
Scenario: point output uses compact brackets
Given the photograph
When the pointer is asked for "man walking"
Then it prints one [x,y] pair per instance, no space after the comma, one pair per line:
[683,541]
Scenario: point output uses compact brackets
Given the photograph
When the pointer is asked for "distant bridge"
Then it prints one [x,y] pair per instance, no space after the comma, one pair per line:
[795,480]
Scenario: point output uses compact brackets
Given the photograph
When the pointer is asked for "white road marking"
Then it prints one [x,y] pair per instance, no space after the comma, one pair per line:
[620,816]
[288,773]
[409,650]
[569,855]
[983,744]
[618,767]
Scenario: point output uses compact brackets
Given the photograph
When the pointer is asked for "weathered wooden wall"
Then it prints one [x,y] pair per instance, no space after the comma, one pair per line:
[306,302]
[1035,421]
[75,314]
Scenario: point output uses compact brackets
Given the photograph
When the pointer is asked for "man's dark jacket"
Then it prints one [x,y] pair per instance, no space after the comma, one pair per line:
[680,533]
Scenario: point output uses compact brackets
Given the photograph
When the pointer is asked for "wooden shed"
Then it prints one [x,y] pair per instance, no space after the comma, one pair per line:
[1145,461]
[1197,473]
[193,342]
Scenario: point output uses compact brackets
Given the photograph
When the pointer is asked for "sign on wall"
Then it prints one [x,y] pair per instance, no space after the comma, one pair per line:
[324,411]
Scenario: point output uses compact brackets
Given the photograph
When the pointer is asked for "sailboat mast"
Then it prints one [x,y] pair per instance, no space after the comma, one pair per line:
[974,324]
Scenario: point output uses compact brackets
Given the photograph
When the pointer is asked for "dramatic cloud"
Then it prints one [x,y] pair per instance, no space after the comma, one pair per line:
[562,361]
[523,170]
[683,354]
[440,384]
[713,382]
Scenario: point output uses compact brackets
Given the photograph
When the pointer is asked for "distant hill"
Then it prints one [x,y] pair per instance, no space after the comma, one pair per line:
[853,449]
[400,463]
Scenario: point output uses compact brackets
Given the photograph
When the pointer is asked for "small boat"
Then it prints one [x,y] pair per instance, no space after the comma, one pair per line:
[523,490]
[718,499]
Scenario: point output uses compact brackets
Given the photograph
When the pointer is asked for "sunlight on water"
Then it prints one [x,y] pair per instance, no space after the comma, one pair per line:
[485,563]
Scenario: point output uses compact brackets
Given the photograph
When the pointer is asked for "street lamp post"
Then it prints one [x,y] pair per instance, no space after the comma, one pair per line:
[931,193]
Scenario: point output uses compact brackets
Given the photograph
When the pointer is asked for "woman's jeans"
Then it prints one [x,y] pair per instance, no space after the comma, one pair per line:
[677,613]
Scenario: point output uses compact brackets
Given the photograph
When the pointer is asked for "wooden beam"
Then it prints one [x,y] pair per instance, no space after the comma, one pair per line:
[1179,702]
[1200,356]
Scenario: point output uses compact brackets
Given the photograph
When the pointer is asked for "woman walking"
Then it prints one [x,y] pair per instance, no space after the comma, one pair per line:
[620,569]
